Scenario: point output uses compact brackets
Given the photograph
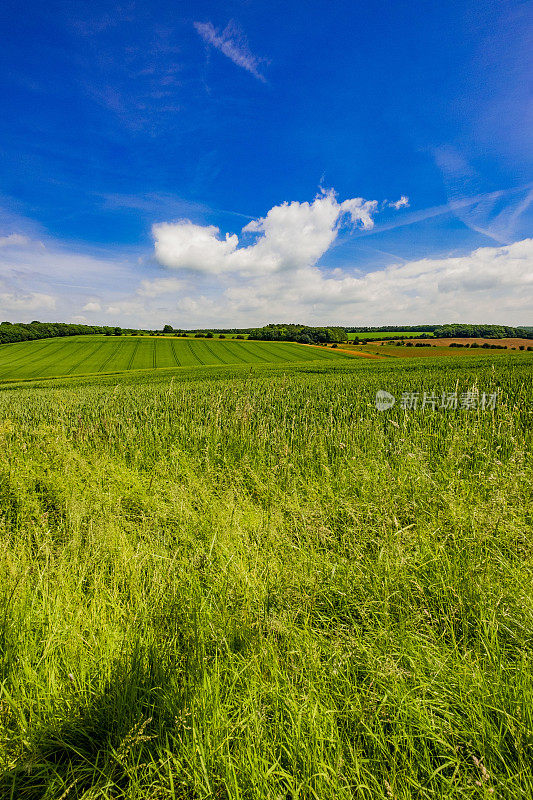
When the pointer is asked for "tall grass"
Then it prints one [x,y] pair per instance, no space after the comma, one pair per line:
[258,586]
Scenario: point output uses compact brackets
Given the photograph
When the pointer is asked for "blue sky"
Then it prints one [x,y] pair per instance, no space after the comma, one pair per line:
[138,140]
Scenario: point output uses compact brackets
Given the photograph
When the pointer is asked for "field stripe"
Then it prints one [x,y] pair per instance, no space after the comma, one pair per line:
[108,359]
[305,354]
[154,357]
[85,357]
[209,347]
[301,352]
[233,354]
[13,353]
[279,354]
[176,359]
[191,349]
[130,362]
[18,356]
[254,355]
[65,344]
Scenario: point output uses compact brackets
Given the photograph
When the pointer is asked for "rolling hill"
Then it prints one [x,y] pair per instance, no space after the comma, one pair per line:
[85,355]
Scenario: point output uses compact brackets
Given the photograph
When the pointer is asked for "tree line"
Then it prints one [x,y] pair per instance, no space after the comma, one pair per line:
[274,332]
[482,332]
[27,331]
[303,334]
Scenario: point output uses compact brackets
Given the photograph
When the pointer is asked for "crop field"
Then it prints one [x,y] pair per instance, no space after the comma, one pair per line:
[377,335]
[249,583]
[434,349]
[82,355]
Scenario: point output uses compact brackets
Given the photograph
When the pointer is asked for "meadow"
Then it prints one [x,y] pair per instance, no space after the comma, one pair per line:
[245,581]
[82,355]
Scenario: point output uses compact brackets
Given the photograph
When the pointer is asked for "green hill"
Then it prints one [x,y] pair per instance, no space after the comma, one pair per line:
[84,355]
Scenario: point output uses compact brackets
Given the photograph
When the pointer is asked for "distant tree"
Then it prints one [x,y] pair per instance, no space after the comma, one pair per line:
[209,335]
[118,331]
[168,329]
[221,336]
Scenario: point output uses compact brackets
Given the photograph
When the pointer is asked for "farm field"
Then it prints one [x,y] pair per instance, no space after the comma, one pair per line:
[377,335]
[434,349]
[230,583]
[507,342]
[82,355]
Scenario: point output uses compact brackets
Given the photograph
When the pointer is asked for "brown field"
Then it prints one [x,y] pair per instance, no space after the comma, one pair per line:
[508,342]
[433,348]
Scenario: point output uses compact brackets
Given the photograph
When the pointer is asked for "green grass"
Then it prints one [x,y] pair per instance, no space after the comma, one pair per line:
[83,355]
[247,582]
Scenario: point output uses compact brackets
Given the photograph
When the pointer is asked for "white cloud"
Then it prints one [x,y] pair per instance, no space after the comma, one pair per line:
[290,237]
[26,301]
[160,286]
[232,44]
[54,282]
[13,240]
[188,246]
[403,202]
[277,274]
[271,271]
[488,285]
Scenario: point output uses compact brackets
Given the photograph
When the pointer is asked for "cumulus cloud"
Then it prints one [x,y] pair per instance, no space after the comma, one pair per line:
[232,43]
[272,270]
[243,281]
[492,284]
[290,237]
[489,284]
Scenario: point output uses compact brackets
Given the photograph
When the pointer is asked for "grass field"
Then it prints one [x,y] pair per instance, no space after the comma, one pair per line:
[246,582]
[82,355]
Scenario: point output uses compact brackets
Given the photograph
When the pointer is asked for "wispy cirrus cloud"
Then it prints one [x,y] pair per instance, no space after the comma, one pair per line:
[232,43]
[494,214]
